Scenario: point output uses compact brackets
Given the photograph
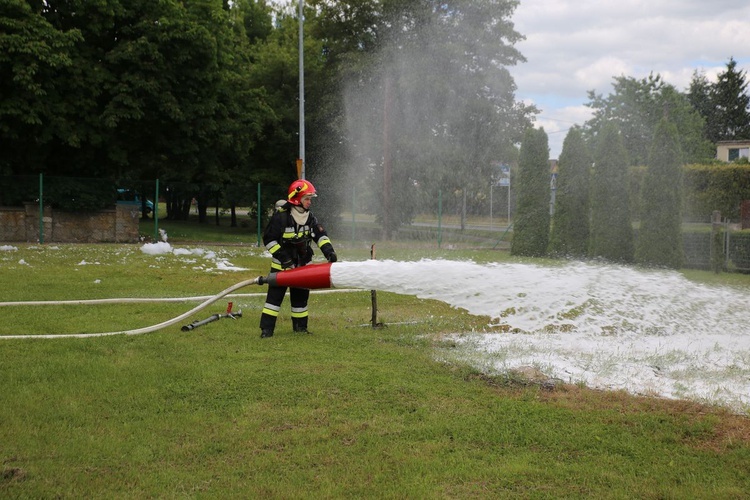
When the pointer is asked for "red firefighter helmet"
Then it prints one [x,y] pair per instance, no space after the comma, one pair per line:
[298,189]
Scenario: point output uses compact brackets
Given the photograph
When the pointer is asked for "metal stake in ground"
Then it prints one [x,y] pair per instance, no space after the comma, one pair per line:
[211,319]
[374,297]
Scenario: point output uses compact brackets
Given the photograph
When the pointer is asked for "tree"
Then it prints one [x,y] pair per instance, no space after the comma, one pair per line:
[531,226]
[611,227]
[185,91]
[32,52]
[275,70]
[238,112]
[257,19]
[133,91]
[569,235]
[731,105]
[427,101]
[636,106]
[660,235]
[724,105]
[699,95]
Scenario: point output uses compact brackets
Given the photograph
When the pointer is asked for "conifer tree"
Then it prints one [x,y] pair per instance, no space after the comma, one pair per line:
[732,104]
[660,236]
[611,229]
[531,226]
[724,105]
[569,235]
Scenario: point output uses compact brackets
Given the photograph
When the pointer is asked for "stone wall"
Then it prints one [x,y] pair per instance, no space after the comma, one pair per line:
[115,225]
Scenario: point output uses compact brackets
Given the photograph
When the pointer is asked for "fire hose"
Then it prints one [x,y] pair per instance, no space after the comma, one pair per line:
[310,276]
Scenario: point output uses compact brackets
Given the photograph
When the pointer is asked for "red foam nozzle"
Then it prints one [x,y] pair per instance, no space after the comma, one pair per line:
[310,276]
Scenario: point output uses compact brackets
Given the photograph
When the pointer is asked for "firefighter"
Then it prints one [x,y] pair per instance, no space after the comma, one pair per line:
[289,237]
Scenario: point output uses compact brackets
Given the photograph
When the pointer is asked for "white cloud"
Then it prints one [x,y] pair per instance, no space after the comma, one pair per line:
[576,46]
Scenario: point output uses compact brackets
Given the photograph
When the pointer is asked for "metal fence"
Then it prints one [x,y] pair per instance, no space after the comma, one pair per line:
[735,248]
[487,224]
[697,238]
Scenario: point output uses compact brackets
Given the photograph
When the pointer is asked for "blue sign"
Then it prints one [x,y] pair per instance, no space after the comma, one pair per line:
[504,178]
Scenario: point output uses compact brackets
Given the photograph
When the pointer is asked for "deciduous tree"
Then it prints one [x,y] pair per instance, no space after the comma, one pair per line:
[32,53]
[428,101]
[636,106]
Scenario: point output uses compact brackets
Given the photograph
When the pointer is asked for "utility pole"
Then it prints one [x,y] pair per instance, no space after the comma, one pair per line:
[301,159]
[387,160]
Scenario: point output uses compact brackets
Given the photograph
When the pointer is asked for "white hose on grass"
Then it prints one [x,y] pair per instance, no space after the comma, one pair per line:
[137,331]
[146,300]
[209,299]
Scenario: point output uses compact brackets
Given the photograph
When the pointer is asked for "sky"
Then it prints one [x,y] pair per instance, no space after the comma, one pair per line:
[573,46]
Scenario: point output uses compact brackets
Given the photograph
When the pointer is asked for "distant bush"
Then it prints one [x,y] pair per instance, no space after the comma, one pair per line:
[722,187]
[79,195]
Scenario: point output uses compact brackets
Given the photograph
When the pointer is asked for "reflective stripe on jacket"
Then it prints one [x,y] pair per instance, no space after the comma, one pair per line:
[287,241]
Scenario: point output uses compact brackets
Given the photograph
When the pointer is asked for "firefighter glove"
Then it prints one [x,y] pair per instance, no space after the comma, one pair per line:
[287,263]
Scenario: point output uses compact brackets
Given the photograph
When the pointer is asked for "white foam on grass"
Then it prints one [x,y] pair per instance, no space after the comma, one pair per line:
[606,326]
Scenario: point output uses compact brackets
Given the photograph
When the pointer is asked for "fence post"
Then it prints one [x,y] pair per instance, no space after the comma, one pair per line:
[259,214]
[354,211]
[716,252]
[726,244]
[374,297]
[156,212]
[440,216]
[41,209]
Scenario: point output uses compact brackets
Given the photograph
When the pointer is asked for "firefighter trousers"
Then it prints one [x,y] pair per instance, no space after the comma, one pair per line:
[275,297]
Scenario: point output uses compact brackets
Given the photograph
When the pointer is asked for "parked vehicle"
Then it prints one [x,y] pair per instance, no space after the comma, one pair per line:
[131,197]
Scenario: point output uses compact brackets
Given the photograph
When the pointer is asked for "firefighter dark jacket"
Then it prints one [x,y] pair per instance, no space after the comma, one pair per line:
[290,243]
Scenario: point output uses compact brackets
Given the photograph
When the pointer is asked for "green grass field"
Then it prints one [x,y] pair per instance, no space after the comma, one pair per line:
[349,411]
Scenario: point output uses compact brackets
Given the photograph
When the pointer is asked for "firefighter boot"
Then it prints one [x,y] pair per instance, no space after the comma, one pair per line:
[299,325]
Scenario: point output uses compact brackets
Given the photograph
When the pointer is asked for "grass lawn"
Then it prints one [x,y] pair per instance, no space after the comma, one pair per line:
[349,411]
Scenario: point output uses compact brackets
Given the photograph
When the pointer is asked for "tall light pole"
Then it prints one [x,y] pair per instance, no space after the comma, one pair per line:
[301,158]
